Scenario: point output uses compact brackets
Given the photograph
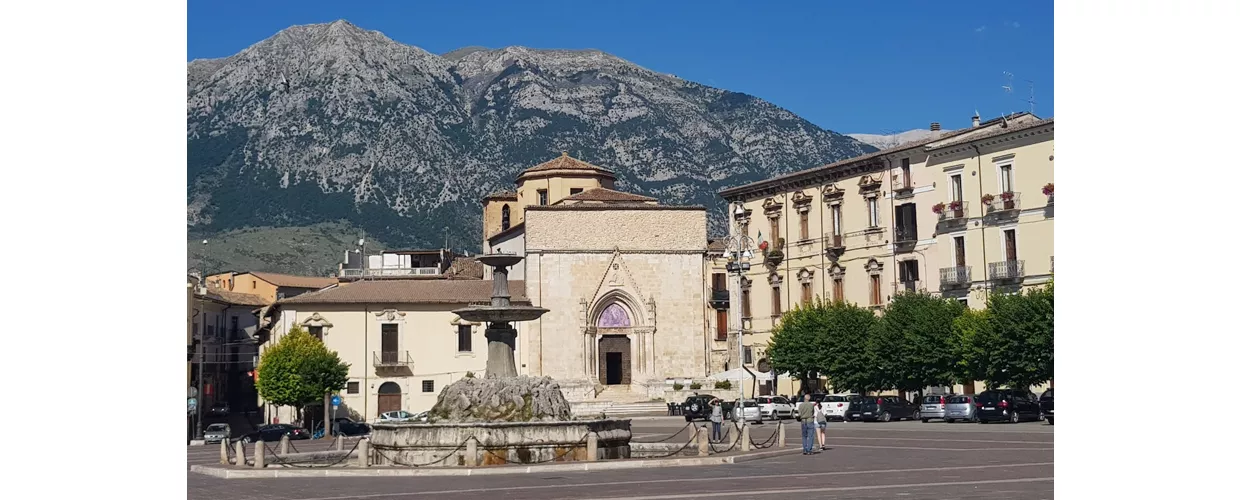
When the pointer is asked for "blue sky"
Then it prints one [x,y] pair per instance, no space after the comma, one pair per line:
[873,67]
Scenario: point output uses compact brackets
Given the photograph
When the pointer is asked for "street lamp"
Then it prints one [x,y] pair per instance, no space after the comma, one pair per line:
[738,250]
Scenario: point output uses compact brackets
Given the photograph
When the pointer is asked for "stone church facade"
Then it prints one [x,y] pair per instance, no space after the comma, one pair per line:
[622,276]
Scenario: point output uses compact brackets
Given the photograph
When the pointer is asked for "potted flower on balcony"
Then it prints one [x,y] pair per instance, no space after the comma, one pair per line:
[957,208]
[775,255]
[1009,200]
[988,199]
[938,208]
[1049,189]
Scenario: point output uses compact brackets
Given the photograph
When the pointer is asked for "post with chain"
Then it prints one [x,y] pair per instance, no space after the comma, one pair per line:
[471,453]
[260,455]
[363,453]
[592,447]
[284,445]
[339,442]
[703,441]
[782,440]
[224,451]
[745,438]
[240,453]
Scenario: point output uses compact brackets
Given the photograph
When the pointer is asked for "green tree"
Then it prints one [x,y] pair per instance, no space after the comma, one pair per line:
[794,343]
[1018,339]
[911,344]
[842,353]
[970,338]
[298,370]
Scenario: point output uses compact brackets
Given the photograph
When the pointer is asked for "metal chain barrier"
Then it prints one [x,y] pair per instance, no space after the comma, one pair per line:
[393,461]
[557,457]
[669,438]
[691,440]
[283,463]
[770,441]
[734,443]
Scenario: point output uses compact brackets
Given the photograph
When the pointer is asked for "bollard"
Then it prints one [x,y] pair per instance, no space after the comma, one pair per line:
[240,453]
[339,442]
[224,451]
[471,453]
[744,438]
[260,455]
[782,440]
[592,447]
[284,445]
[363,453]
[703,442]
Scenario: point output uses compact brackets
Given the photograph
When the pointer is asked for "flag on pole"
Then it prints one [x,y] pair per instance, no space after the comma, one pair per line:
[762,245]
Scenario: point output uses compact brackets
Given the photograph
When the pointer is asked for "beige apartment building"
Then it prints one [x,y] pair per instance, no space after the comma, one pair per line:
[867,228]
[270,286]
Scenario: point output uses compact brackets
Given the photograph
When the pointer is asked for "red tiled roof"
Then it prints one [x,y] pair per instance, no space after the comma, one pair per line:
[607,195]
[410,292]
[565,162]
[291,281]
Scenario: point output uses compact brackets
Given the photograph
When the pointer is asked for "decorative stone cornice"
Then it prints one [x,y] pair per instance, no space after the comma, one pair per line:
[836,271]
[832,193]
[772,207]
[746,283]
[390,315]
[316,319]
[874,267]
[805,276]
[775,279]
[870,182]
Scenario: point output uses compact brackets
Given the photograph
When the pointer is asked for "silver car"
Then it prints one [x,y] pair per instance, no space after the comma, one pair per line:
[216,433]
[961,408]
[750,409]
[934,406]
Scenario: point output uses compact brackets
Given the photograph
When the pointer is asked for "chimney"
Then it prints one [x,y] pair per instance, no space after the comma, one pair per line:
[934,126]
[977,120]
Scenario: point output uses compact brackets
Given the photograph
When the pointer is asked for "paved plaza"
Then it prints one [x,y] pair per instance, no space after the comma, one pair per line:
[933,460]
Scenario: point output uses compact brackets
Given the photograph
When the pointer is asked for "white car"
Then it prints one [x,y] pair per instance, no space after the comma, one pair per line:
[835,406]
[775,407]
[749,408]
[402,416]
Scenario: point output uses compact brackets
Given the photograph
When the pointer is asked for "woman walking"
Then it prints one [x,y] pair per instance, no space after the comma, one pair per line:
[716,420]
[820,419]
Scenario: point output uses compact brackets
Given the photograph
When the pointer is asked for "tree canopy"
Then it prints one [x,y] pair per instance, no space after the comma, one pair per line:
[298,370]
[827,338]
[911,342]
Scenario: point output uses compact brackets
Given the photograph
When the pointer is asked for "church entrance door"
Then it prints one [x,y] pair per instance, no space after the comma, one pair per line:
[615,360]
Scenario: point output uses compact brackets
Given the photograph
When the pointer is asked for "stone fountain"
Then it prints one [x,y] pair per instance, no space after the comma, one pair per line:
[513,418]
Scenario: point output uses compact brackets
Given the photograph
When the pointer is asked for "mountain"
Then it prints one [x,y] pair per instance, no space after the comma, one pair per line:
[893,140]
[334,123]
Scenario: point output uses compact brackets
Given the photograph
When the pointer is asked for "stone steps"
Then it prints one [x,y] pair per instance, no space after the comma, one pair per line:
[611,408]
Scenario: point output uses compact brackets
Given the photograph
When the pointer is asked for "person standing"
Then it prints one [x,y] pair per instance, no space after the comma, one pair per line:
[805,415]
[716,420]
[820,424]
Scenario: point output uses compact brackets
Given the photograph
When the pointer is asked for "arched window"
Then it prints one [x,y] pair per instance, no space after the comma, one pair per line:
[614,316]
[505,220]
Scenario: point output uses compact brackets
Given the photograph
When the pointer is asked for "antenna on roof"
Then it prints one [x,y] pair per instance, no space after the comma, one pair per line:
[1007,89]
[1031,101]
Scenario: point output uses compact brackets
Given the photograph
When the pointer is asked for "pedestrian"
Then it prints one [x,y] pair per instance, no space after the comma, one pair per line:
[716,420]
[820,421]
[805,415]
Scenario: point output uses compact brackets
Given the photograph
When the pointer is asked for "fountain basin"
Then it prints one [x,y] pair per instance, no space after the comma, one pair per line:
[500,314]
[499,443]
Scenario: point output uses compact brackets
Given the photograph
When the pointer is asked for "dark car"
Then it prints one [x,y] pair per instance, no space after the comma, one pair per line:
[697,407]
[1047,402]
[882,409]
[349,427]
[1007,405]
[273,432]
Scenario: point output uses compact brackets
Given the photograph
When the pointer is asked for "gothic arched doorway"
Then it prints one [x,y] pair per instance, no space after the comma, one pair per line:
[389,397]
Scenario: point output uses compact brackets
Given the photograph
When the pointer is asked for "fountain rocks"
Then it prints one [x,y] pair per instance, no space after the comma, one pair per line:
[502,418]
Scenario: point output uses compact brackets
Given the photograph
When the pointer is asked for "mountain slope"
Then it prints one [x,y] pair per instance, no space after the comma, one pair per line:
[331,122]
[881,141]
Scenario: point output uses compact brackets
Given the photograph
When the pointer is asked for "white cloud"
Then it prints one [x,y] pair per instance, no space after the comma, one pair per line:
[1011,24]
[979,30]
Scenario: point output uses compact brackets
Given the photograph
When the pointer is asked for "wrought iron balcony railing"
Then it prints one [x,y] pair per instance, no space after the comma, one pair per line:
[1004,202]
[389,271]
[392,359]
[956,276]
[834,242]
[954,211]
[1007,270]
[719,299]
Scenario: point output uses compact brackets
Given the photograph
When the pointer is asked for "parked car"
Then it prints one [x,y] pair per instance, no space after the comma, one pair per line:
[349,427]
[216,433]
[696,407]
[882,409]
[835,406]
[402,416]
[219,409]
[813,398]
[774,407]
[1007,405]
[934,406]
[273,432]
[1047,402]
[961,408]
[747,409]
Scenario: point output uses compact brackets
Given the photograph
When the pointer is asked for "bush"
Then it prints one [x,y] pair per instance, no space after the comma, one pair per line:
[678,386]
[723,384]
[695,386]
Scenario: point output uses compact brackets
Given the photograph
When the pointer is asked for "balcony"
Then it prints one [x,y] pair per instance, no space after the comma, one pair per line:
[953,213]
[719,299]
[901,187]
[389,271]
[955,277]
[1004,205]
[905,240]
[392,360]
[1008,270]
[908,286]
[834,243]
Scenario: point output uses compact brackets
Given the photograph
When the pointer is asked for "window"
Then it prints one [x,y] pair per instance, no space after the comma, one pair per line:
[876,290]
[352,388]
[906,222]
[542,196]
[464,338]
[957,188]
[1009,244]
[964,301]
[1005,178]
[805,225]
[317,332]
[719,282]
[574,191]
[776,308]
[774,231]
[871,206]
[505,218]
[254,284]
[837,289]
[389,342]
[837,221]
[745,311]
[428,386]
[721,324]
[233,325]
[959,244]
[906,173]
[748,355]
[807,293]
[908,271]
